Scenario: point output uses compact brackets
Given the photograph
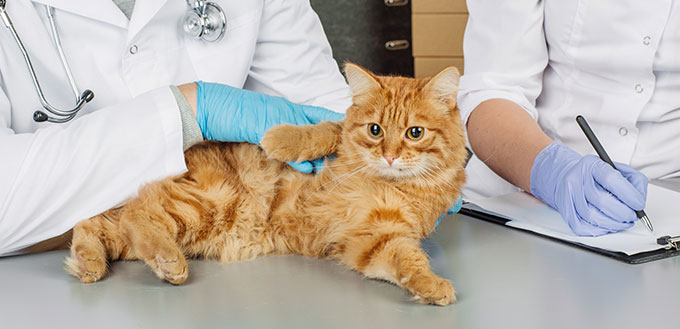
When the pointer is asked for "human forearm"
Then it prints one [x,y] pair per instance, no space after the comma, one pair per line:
[507,139]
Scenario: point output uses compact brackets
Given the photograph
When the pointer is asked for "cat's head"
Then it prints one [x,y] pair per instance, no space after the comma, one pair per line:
[403,127]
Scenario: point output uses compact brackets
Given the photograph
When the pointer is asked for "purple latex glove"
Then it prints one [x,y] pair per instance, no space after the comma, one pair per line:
[592,197]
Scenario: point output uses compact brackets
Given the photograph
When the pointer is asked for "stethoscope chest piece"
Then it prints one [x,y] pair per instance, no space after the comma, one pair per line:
[205,21]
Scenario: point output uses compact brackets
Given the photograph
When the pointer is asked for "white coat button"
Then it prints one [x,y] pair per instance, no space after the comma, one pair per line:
[623,131]
[646,40]
[639,89]
[133,49]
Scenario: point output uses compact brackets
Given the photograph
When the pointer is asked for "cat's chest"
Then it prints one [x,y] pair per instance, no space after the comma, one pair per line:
[378,196]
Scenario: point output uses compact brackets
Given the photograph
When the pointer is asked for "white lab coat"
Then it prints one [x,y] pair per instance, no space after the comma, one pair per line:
[614,61]
[54,175]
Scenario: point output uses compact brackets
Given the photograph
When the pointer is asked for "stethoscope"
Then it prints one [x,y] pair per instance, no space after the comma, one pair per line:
[205,21]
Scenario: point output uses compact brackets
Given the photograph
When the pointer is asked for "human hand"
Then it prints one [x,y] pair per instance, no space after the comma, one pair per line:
[452,210]
[229,114]
[592,197]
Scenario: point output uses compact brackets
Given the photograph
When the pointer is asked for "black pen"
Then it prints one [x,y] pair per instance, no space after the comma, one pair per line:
[603,155]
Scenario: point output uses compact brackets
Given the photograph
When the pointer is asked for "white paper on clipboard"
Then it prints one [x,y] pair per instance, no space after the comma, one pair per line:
[528,213]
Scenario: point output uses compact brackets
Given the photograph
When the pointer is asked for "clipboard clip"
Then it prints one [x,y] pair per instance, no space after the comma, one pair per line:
[671,242]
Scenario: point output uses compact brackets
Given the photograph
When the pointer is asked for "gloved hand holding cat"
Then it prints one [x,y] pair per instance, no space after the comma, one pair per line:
[229,114]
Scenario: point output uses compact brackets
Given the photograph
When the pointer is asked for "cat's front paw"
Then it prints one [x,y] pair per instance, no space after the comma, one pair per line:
[86,265]
[282,143]
[432,290]
[174,271]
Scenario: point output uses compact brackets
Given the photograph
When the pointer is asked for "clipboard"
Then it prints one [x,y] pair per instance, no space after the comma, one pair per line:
[669,247]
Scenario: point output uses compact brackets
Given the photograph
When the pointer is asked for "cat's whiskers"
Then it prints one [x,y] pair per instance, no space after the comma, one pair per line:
[348,173]
[438,177]
[348,165]
[342,163]
[442,169]
[342,178]
[424,179]
[426,171]
[430,178]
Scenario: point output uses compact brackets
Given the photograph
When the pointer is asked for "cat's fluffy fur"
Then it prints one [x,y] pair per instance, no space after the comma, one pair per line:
[240,201]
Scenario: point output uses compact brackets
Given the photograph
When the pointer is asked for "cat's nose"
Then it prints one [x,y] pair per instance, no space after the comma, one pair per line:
[389,159]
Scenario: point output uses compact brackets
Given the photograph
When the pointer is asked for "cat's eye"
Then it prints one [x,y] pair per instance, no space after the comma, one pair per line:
[374,130]
[415,133]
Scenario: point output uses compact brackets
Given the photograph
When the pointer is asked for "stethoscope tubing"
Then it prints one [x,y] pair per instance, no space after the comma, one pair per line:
[66,115]
[60,48]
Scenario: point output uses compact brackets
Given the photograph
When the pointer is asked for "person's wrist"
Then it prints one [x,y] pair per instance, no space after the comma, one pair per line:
[206,96]
[189,90]
[549,166]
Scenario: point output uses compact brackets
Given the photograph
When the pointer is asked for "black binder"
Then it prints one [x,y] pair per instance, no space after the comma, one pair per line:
[669,247]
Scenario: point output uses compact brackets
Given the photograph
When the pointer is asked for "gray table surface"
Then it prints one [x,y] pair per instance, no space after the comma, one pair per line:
[504,279]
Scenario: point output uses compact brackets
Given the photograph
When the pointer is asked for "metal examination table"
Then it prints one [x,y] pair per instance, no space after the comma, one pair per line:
[504,279]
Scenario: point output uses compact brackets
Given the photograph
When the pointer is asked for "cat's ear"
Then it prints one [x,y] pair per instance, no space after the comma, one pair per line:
[444,86]
[360,80]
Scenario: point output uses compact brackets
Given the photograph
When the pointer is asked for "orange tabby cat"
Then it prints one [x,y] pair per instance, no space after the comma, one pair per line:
[400,155]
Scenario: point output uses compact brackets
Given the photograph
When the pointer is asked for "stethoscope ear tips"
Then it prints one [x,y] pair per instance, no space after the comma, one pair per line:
[39,116]
[87,95]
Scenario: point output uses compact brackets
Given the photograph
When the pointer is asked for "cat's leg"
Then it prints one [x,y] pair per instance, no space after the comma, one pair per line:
[301,143]
[94,241]
[399,260]
[150,232]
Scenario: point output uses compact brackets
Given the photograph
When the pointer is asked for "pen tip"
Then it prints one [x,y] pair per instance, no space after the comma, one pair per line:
[648,223]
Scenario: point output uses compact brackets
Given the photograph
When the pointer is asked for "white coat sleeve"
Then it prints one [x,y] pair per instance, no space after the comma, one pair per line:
[293,58]
[505,54]
[59,175]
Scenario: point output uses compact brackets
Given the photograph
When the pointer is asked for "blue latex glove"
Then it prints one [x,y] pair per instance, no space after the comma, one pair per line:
[229,114]
[312,166]
[308,167]
[454,209]
[592,197]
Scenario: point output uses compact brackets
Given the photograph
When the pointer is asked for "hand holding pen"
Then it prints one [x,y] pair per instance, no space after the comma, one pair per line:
[605,157]
[592,197]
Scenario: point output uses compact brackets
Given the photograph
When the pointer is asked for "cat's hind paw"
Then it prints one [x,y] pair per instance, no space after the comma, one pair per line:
[170,266]
[88,267]
[433,290]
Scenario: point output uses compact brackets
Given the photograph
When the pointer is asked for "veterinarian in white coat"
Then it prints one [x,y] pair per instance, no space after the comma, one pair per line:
[53,175]
[532,66]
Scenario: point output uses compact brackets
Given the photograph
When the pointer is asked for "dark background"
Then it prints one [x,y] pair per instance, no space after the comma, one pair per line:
[358,29]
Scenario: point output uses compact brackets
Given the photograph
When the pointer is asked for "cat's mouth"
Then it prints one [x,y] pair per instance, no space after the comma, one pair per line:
[393,171]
